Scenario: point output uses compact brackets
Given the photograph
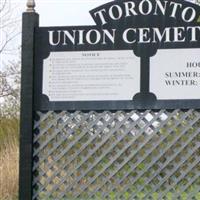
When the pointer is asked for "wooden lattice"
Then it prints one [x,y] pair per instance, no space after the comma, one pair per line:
[123,155]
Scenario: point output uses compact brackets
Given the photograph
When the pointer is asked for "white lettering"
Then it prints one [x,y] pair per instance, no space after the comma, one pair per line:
[80,37]
[178,34]
[51,38]
[118,10]
[142,6]
[165,36]
[161,7]
[175,7]
[193,14]
[93,35]
[125,35]
[144,35]
[130,8]
[69,36]
[101,16]
[110,36]
[193,33]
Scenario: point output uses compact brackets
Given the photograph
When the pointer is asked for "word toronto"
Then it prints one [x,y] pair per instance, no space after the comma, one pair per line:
[181,12]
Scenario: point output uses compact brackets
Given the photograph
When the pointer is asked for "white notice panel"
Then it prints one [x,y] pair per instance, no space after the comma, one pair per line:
[175,74]
[91,75]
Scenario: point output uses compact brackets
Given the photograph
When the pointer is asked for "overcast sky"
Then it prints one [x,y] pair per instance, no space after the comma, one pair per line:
[65,12]
[52,13]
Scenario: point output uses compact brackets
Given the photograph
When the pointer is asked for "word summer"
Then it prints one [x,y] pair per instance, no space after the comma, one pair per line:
[129,36]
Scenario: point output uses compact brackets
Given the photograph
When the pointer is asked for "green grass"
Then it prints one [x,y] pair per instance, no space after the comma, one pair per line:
[9,158]
[126,196]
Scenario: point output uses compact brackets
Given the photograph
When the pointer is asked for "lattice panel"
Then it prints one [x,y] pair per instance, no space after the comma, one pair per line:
[117,155]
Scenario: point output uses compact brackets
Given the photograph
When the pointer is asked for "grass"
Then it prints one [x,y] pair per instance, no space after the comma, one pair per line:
[9,156]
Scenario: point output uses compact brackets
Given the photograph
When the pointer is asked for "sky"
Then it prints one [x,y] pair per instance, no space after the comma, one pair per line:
[65,12]
[71,12]
[52,13]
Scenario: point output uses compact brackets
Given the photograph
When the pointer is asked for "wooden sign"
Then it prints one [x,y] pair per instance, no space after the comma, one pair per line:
[140,55]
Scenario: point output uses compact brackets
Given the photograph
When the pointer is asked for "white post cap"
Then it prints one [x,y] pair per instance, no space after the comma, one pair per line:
[30,6]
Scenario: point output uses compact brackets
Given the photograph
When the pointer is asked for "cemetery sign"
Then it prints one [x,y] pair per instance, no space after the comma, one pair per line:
[139,55]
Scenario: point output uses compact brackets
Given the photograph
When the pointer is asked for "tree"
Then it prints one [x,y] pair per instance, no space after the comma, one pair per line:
[9,58]
[9,27]
[10,90]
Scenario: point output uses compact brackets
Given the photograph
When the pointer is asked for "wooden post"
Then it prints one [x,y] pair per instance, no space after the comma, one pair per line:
[30,21]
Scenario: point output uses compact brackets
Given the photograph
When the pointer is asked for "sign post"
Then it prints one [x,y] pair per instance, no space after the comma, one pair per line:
[30,22]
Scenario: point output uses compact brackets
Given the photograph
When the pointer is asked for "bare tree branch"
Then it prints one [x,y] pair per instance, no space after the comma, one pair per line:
[9,71]
[3,6]
[8,40]
[9,23]
[9,26]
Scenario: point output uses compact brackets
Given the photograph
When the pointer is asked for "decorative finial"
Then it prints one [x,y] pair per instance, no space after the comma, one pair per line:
[30,6]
